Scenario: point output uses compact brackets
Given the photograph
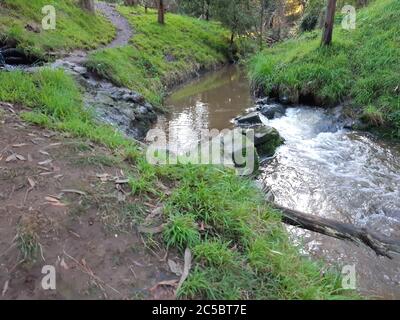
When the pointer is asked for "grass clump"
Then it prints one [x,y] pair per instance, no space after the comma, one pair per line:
[181,231]
[361,65]
[160,56]
[243,252]
[56,103]
[75,28]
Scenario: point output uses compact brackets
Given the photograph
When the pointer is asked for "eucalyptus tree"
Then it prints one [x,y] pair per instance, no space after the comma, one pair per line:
[329,21]
[87,5]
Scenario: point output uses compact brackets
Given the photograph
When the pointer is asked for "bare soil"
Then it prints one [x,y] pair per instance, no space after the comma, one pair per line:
[65,202]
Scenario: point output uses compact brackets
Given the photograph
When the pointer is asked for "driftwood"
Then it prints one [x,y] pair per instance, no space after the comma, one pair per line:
[381,244]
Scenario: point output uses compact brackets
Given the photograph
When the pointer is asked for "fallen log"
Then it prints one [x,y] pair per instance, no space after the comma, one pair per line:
[381,244]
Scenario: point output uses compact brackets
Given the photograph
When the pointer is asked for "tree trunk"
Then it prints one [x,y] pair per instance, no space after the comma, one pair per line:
[381,244]
[207,10]
[262,17]
[161,11]
[232,38]
[130,2]
[329,21]
[87,5]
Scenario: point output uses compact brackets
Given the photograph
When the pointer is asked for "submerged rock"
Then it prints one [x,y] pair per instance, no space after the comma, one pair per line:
[266,139]
[249,119]
[272,111]
[262,101]
[127,95]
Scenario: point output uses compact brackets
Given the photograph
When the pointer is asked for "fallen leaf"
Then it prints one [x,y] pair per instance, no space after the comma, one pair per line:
[43,152]
[74,191]
[122,181]
[64,264]
[171,283]
[31,182]
[13,157]
[51,199]
[5,288]
[186,268]
[151,230]
[175,267]
[154,213]
[46,162]
[54,202]
[19,145]
[20,157]
[46,173]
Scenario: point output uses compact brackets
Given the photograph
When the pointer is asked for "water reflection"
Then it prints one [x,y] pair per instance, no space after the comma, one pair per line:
[209,102]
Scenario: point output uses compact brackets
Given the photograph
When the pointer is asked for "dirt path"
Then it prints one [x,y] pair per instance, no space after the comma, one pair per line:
[121,107]
[65,203]
[124,30]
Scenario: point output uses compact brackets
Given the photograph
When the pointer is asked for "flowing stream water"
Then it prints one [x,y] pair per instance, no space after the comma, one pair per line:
[321,169]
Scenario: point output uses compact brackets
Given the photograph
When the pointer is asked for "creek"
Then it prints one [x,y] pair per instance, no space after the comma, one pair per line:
[322,169]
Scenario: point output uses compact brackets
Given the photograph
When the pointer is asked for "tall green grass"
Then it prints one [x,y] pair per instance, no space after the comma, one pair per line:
[74,27]
[361,65]
[160,56]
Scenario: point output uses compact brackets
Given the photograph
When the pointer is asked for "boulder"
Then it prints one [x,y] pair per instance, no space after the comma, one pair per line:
[272,111]
[240,153]
[266,140]
[262,101]
[249,119]
[231,149]
[133,97]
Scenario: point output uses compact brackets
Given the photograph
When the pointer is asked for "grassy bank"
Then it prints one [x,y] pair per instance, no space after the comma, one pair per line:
[240,247]
[161,56]
[21,25]
[361,66]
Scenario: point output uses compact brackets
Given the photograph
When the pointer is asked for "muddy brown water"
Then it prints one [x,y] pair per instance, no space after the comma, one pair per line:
[209,102]
[322,169]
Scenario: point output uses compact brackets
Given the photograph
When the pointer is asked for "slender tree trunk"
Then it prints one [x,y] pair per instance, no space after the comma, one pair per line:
[329,21]
[87,5]
[130,2]
[262,17]
[207,10]
[161,12]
